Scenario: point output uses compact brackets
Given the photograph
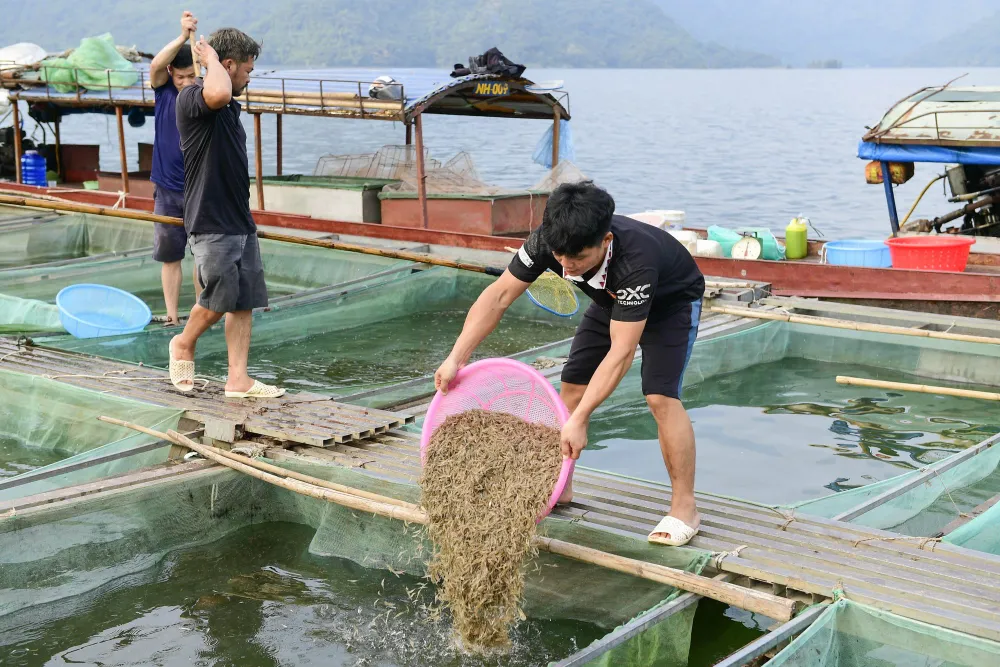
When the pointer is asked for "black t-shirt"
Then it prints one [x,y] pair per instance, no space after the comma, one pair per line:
[645,274]
[216,170]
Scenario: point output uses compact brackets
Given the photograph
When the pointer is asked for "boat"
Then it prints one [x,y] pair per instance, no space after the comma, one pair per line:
[497,221]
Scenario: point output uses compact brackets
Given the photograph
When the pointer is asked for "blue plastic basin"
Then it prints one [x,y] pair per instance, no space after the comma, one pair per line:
[91,311]
[858,252]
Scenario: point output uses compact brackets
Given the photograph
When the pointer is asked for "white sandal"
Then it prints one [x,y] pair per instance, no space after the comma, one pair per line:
[680,533]
[181,372]
[258,390]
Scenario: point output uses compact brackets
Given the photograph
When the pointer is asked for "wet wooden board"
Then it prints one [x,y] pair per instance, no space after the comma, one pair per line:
[302,418]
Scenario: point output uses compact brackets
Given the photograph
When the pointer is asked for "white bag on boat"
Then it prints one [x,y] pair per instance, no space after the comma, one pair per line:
[17,56]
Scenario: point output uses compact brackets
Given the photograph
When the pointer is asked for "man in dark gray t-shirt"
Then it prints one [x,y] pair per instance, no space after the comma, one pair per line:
[217,217]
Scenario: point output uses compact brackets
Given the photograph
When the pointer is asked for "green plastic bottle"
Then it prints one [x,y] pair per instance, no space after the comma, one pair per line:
[796,244]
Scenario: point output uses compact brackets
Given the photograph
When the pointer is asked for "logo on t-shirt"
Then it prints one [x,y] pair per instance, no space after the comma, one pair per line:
[633,296]
[525,258]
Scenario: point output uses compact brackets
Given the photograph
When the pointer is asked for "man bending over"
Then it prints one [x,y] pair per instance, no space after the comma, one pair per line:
[647,293]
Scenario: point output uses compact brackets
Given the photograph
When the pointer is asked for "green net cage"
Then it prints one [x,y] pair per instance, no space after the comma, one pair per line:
[849,634]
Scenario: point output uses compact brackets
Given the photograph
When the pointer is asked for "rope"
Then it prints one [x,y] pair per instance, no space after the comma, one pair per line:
[788,516]
[121,200]
[922,542]
[719,557]
[21,344]
[120,376]
[958,509]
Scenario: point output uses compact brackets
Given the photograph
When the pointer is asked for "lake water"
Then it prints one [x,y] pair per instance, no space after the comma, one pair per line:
[731,147]
[785,432]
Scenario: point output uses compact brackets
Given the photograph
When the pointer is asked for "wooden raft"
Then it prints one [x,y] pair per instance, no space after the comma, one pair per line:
[303,418]
[797,555]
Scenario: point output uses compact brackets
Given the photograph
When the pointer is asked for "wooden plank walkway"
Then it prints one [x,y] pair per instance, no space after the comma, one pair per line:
[789,553]
[302,418]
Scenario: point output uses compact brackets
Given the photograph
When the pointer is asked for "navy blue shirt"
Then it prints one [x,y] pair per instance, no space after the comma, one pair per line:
[168,162]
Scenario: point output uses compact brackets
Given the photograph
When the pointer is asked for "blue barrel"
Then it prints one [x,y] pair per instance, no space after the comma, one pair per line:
[33,169]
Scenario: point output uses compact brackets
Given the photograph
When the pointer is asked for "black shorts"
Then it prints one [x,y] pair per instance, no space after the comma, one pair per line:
[666,348]
[169,241]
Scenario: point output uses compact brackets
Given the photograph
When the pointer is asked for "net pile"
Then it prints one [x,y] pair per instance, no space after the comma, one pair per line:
[487,477]
[389,162]
[456,176]
[93,65]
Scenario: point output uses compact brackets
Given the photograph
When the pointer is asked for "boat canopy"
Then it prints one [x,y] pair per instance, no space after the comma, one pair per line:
[942,116]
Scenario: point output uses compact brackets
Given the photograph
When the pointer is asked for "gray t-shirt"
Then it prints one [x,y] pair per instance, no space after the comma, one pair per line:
[216,169]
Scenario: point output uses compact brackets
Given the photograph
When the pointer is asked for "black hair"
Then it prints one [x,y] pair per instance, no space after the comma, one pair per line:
[577,216]
[183,58]
[234,44]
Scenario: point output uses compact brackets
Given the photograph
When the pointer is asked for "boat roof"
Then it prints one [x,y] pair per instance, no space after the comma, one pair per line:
[948,124]
[422,91]
[942,116]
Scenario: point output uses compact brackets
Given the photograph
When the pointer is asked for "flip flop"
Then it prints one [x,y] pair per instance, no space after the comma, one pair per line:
[181,373]
[680,533]
[258,390]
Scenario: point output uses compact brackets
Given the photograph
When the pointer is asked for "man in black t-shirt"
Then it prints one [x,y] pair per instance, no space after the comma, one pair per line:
[647,293]
[217,217]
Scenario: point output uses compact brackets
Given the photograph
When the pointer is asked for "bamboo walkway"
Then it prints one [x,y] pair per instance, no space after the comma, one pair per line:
[801,556]
[302,418]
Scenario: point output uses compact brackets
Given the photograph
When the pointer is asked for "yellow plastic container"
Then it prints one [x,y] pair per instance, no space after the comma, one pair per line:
[796,245]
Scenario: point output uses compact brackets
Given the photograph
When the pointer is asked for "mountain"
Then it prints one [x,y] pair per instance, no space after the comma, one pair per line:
[975,46]
[856,32]
[316,33]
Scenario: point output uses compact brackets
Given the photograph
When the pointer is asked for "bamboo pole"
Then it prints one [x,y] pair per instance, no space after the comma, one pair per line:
[258,161]
[74,207]
[409,133]
[326,101]
[744,598]
[194,56]
[919,388]
[18,177]
[324,96]
[421,170]
[121,148]
[850,325]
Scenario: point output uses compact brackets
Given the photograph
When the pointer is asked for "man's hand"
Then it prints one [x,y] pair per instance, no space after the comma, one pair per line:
[574,437]
[205,52]
[445,375]
[189,24]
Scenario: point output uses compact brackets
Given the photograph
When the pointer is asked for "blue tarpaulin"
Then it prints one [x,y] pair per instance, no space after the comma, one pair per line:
[924,153]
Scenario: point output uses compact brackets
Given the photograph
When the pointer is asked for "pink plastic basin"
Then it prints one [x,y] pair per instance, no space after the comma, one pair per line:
[501,385]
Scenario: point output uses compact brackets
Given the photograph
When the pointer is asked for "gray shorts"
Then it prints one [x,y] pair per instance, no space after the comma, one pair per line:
[230,271]
[169,241]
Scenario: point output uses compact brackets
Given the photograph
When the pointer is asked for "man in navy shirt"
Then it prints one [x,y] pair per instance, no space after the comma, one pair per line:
[170,72]
[647,293]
